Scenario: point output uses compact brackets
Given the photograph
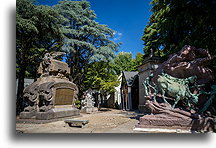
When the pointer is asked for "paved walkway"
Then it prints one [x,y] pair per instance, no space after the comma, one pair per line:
[104,121]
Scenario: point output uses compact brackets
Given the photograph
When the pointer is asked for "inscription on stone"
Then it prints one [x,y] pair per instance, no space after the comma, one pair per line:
[64,96]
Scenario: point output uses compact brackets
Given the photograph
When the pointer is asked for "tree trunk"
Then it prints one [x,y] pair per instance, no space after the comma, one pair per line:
[19,100]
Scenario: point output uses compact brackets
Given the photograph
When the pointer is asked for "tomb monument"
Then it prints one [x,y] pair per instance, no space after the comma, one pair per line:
[52,95]
[180,93]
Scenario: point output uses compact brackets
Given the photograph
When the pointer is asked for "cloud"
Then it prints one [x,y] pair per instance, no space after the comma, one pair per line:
[119,33]
[117,36]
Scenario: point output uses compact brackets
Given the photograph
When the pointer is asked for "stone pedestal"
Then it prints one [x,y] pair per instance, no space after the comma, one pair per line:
[89,109]
[57,113]
[164,118]
[162,122]
[27,115]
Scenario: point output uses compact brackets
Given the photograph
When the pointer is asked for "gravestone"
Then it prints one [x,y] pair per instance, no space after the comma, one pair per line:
[88,101]
[52,95]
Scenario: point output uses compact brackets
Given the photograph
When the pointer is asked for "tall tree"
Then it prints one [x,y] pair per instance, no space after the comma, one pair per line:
[37,31]
[86,40]
[175,23]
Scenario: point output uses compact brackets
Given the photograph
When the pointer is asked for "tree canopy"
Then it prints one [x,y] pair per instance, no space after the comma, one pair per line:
[124,62]
[174,24]
[101,76]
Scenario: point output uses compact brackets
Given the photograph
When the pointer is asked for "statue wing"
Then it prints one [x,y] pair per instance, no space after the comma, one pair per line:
[56,54]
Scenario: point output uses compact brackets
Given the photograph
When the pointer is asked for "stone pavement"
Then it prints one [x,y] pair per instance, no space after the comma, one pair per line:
[104,121]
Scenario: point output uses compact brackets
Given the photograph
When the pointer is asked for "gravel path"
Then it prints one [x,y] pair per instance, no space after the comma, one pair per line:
[105,121]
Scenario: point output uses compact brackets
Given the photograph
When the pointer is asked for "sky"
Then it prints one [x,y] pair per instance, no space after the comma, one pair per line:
[127,17]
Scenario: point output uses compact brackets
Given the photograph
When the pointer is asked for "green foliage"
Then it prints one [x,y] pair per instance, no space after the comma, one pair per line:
[86,40]
[124,62]
[174,24]
[138,60]
[100,76]
[78,104]
[37,31]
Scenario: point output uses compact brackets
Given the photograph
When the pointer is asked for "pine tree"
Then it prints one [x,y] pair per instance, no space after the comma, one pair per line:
[86,40]
[37,31]
[174,24]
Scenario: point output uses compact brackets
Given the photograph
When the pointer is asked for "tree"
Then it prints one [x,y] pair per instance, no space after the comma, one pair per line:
[123,62]
[101,76]
[174,24]
[137,61]
[86,40]
[37,31]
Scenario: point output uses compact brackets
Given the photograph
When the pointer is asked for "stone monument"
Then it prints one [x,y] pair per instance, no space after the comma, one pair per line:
[180,94]
[52,95]
[87,102]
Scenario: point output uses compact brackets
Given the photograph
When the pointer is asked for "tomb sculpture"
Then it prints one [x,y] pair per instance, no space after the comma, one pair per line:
[180,93]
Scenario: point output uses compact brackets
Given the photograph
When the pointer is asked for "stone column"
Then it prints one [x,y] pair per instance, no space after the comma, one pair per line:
[149,64]
[129,99]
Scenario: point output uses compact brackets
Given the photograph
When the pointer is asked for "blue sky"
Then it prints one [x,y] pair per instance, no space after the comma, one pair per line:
[127,17]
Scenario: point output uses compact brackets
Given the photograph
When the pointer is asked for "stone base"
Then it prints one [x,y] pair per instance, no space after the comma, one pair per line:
[204,124]
[89,110]
[57,113]
[143,109]
[27,115]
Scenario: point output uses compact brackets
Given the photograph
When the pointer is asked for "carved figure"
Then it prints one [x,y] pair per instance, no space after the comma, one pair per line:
[44,67]
[176,88]
[189,61]
[46,97]
[147,86]
[30,97]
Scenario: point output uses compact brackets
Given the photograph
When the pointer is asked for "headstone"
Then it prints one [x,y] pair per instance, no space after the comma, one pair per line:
[88,101]
[52,95]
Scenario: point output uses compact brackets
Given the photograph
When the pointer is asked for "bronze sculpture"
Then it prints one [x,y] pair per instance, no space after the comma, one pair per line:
[180,93]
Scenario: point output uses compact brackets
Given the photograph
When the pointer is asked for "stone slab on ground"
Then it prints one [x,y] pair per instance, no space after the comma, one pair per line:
[76,123]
